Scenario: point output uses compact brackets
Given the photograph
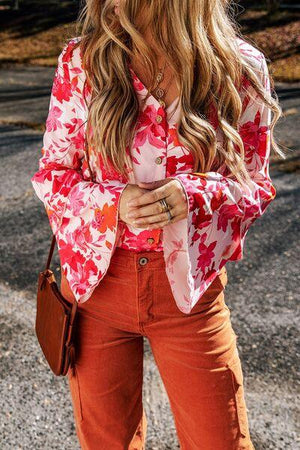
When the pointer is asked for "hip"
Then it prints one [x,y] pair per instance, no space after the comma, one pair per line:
[135,292]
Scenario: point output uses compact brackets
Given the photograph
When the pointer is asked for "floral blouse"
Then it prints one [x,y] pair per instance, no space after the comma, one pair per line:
[156,137]
[83,214]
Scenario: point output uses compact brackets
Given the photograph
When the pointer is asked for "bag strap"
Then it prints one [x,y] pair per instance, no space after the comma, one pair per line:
[86,151]
[50,253]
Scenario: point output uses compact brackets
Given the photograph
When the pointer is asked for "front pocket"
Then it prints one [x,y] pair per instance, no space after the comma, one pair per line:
[75,393]
[237,381]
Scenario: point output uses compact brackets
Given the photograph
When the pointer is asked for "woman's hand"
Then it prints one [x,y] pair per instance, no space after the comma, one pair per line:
[145,211]
[130,192]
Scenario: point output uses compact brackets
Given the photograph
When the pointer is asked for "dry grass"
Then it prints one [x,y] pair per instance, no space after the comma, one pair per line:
[39,49]
[286,69]
[281,44]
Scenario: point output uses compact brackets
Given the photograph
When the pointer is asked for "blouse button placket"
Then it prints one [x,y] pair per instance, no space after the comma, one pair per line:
[162,120]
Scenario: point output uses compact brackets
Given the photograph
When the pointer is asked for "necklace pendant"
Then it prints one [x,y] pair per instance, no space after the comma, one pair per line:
[160,92]
[159,77]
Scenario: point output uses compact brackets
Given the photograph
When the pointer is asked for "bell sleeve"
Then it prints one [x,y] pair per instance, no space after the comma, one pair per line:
[83,214]
[220,209]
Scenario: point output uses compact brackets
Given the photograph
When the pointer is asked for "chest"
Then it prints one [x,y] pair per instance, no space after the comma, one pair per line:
[156,151]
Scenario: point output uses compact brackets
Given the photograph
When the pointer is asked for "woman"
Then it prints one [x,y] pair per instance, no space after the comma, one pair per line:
[170,111]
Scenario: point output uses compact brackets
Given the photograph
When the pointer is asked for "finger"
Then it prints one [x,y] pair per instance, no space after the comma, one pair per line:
[176,196]
[144,211]
[162,224]
[177,199]
[151,196]
[181,204]
[142,191]
[155,209]
[155,218]
[151,209]
[165,223]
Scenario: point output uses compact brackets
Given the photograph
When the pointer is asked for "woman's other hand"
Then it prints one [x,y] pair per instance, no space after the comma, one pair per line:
[145,209]
[130,192]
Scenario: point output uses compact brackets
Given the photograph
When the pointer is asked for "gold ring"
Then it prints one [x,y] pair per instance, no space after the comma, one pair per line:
[165,206]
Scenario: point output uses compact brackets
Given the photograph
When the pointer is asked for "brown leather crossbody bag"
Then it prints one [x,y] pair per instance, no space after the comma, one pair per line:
[56,317]
[55,321]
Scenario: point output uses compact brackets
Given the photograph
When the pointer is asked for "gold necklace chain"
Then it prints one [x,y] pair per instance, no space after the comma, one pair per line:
[160,92]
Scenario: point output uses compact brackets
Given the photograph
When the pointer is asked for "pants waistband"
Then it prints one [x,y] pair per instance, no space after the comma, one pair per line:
[131,259]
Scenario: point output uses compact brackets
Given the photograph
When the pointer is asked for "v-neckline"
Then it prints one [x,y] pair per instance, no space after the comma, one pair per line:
[168,108]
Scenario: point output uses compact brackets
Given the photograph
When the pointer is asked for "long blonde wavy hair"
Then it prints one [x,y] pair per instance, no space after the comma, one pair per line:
[203,54]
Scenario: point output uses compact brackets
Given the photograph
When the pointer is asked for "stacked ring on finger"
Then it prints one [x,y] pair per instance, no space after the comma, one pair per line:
[165,206]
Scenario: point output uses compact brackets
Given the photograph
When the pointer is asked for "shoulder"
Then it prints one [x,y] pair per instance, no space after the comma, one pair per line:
[250,53]
[254,58]
[70,58]
[71,52]
[70,81]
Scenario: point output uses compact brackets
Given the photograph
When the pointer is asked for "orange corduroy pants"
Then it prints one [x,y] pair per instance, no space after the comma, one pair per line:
[196,355]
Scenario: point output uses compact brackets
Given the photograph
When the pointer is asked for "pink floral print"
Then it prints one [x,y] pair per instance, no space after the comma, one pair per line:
[83,214]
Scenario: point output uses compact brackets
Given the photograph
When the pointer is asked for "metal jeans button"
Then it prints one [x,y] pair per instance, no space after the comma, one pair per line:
[143,261]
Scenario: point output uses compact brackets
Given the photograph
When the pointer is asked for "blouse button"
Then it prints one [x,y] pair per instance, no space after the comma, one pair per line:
[150,240]
[158,118]
[143,261]
[158,160]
